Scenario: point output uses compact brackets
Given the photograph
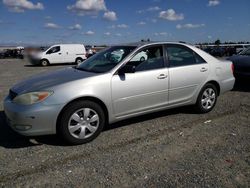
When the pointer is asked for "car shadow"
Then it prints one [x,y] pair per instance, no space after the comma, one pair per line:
[11,140]
[147,117]
[242,85]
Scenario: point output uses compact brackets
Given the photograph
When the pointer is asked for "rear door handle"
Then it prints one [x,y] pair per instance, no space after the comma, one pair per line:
[59,53]
[162,76]
[203,69]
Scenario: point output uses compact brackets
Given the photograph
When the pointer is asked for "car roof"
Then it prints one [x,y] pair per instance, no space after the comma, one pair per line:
[67,44]
[146,43]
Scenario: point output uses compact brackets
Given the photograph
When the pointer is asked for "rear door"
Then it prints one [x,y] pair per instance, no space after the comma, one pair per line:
[69,54]
[187,72]
[146,88]
[75,51]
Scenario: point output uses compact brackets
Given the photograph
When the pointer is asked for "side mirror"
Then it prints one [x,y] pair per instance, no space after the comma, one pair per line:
[126,69]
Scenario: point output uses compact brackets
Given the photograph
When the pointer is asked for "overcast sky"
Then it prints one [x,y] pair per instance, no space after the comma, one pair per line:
[119,21]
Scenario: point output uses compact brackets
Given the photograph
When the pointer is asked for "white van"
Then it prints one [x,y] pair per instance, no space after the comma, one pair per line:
[60,53]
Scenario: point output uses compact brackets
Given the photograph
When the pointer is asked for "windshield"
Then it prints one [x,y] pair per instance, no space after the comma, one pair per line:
[43,49]
[106,60]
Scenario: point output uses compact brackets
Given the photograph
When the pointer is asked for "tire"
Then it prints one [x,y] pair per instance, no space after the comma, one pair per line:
[78,60]
[44,62]
[81,122]
[207,99]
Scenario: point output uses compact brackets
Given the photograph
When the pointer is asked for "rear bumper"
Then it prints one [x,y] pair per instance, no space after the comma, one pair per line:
[32,120]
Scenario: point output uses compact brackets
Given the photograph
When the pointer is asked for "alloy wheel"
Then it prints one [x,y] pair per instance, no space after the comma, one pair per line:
[208,98]
[83,123]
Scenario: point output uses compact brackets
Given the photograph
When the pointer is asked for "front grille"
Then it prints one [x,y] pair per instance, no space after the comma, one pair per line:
[12,94]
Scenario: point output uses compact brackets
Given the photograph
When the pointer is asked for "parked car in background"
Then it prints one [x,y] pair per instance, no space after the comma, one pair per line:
[12,53]
[61,53]
[116,55]
[141,56]
[90,53]
[241,63]
[229,51]
[218,52]
[2,55]
[240,48]
[245,52]
[208,50]
[77,102]
[91,50]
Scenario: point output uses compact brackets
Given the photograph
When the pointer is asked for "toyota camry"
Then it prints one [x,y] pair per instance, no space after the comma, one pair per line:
[116,84]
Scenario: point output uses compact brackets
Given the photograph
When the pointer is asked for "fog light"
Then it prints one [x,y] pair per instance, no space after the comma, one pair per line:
[22,127]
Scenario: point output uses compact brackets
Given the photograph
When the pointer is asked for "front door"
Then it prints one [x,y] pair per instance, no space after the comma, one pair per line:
[54,55]
[146,88]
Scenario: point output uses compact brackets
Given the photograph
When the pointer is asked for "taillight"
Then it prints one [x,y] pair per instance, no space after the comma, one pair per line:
[232,68]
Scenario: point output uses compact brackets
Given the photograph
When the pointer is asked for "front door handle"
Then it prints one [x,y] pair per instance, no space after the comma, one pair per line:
[162,76]
[203,69]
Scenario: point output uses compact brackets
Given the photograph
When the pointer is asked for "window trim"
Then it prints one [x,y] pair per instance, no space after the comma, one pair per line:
[52,48]
[184,47]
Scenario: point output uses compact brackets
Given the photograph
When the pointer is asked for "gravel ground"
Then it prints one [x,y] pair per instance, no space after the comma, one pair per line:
[173,148]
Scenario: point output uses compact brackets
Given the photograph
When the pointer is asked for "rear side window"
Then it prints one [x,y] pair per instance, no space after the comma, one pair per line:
[182,56]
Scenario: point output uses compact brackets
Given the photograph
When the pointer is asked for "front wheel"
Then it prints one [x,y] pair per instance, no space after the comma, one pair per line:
[207,98]
[44,62]
[81,122]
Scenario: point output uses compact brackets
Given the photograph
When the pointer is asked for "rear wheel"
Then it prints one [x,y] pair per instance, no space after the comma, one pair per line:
[207,98]
[44,62]
[78,60]
[81,122]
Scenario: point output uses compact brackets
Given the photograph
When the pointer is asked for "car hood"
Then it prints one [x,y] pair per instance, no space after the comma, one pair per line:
[47,80]
[36,54]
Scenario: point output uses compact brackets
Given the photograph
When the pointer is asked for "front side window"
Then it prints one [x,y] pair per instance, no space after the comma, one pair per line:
[53,50]
[148,59]
[182,56]
[106,60]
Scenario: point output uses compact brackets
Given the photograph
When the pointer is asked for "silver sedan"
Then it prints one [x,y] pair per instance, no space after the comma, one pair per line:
[116,84]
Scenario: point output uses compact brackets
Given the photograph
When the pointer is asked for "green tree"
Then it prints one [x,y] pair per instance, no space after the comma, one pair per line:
[217,42]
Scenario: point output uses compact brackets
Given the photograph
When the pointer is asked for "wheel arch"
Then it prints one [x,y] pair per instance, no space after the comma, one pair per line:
[45,60]
[78,58]
[86,98]
[216,84]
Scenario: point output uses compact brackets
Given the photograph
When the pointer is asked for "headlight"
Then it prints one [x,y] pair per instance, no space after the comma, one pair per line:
[32,97]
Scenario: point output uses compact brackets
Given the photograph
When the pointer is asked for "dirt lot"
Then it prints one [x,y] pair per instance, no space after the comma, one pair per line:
[173,148]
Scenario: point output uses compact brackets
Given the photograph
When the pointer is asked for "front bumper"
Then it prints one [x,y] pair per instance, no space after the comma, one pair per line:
[34,61]
[32,120]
